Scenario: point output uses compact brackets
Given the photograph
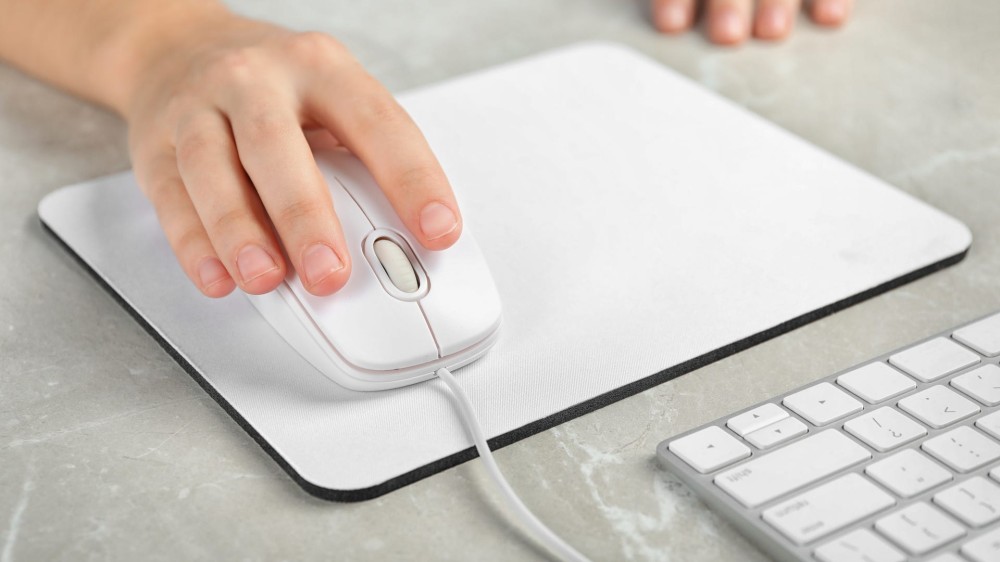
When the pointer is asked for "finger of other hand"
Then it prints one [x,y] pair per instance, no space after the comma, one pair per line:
[830,12]
[774,18]
[728,21]
[673,16]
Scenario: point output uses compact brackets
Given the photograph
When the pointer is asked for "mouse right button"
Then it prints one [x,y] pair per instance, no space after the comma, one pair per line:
[462,305]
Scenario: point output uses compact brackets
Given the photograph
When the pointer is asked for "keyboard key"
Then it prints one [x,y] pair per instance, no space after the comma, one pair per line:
[861,545]
[876,382]
[885,429]
[990,423]
[761,416]
[776,433]
[908,473]
[983,336]
[995,474]
[938,406]
[919,528]
[822,403]
[787,469]
[963,449]
[975,501]
[983,384]
[934,359]
[709,449]
[822,510]
[984,548]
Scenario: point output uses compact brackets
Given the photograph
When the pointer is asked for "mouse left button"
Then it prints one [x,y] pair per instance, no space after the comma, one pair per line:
[368,328]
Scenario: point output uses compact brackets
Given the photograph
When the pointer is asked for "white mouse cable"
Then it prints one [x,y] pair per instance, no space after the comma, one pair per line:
[551,541]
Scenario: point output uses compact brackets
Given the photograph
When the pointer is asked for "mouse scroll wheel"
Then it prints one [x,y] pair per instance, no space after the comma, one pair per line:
[396,265]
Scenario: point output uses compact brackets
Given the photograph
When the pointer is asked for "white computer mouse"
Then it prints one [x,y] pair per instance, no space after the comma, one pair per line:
[405,312]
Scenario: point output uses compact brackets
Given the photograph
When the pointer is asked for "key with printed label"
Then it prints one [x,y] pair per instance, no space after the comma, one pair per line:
[791,467]
[709,449]
[975,501]
[908,473]
[776,433]
[984,548]
[963,449]
[860,545]
[759,417]
[821,511]
[822,403]
[885,429]
[938,406]
[919,528]
[983,384]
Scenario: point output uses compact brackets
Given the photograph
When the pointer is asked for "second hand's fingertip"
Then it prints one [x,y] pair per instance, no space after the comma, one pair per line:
[830,13]
[772,23]
[672,17]
[727,27]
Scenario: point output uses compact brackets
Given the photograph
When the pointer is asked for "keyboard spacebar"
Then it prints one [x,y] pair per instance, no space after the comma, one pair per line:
[775,474]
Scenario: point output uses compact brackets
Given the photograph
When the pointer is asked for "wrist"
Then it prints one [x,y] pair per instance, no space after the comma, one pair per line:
[143,45]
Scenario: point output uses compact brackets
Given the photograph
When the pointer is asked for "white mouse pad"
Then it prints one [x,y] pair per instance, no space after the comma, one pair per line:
[637,225]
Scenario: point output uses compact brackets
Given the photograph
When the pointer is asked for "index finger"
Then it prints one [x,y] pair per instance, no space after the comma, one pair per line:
[367,120]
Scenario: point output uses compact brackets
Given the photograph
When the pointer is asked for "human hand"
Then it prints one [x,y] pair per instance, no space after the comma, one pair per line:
[218,126]
[730,22]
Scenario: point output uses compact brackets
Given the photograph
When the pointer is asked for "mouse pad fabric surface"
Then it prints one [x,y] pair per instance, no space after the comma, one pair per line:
[631,240]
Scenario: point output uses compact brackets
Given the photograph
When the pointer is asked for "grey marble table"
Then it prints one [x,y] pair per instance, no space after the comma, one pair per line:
[108,450]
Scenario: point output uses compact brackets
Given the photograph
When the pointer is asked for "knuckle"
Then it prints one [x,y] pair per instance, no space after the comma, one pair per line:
[192,141]
[159,189]
[299,211]
[261,125]
[232,66]
[229,221]
[419,179]
[377,111]
[188,243]
[181,102]
[315,48]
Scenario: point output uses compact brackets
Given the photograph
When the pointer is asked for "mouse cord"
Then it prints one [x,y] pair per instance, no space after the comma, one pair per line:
[545,535]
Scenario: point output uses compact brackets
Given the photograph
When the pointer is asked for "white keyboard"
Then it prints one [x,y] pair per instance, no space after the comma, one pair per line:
[896,459]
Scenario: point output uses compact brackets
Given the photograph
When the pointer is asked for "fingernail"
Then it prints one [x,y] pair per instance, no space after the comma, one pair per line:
[253,261]
[830,11]
[437,220]
[673,16]
[772,21]
[320,262]
[728,25]
[211,271]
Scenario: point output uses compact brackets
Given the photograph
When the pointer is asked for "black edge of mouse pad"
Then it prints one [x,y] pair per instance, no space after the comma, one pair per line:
[526,430]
